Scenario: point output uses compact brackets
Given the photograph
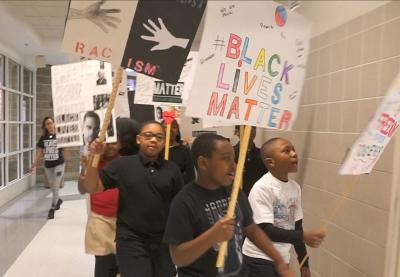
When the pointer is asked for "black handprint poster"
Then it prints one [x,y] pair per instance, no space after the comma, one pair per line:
[152,37]
[161,36]
[98,29]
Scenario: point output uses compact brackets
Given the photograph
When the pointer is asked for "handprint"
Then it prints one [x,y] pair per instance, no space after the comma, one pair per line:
[162,36]
[98,16]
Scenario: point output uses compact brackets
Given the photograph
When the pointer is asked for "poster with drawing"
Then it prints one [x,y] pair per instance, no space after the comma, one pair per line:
[161,37]
[151,91]
[81,92]
[370,145]
[151,37]
[98,29]
[252,62]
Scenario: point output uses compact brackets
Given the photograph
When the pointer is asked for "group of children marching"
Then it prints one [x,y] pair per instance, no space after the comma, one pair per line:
[167,222]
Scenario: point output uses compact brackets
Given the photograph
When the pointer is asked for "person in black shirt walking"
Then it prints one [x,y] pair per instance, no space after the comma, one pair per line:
[53,161]
[254,167]
[147,184]
[197,221]
[179,153]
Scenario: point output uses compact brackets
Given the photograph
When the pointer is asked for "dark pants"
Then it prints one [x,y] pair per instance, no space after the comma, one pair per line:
[144,259]
[259,267]
[106,266]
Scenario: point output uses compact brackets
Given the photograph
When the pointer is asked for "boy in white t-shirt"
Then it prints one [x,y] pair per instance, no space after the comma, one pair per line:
[276,203]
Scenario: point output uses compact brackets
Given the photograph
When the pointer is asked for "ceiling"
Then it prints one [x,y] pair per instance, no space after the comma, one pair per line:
[36,27]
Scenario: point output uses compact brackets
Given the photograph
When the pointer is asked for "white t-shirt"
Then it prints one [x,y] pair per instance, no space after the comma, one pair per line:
[276,202]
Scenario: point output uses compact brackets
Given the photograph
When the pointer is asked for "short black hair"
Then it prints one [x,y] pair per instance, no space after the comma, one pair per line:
[96,118]
[266,147]
[204,145]
[144,124]
[127,130]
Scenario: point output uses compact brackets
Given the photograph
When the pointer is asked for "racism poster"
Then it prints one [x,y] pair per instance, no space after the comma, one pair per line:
[152,37]
[367,149]
[161,37]
[252,62]
[98,29]
[81,92]
[151,91]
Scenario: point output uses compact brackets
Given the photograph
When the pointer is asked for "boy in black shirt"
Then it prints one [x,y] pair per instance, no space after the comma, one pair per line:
[147,183]
[197,223]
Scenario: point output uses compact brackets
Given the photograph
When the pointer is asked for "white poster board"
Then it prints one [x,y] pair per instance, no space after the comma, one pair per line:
[252,62]
[369,146]
[121,105]
[81,92]
[101,37]
[152,91]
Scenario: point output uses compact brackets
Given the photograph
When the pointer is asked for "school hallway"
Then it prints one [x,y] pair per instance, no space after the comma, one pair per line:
[34,246]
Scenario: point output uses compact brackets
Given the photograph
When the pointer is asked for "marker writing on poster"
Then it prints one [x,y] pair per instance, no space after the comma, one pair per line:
[227,11]
[207,58]
[267,27]
[92,51]
[143,67]
[266,110]
[193,3]
[219,43]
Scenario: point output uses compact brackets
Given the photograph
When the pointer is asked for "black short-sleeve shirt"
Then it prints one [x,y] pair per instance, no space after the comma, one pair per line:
[52,155]
[193,211]
[146,189]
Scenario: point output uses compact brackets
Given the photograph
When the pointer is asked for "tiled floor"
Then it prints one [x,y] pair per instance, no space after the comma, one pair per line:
[33,246]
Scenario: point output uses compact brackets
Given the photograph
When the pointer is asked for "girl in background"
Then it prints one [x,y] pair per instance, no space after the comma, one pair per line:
[53,161]
[179,153]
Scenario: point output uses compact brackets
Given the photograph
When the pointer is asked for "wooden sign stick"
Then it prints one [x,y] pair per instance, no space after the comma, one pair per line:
[345,192]
[235,191]
[107,116]
[167,138]
[168,117]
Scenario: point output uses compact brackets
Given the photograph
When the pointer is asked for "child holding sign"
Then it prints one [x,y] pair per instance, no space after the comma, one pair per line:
[197,223]
[147,183]
[276,202]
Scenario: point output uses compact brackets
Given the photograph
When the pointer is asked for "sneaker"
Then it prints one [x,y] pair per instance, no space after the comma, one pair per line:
[59,202]
[51,214]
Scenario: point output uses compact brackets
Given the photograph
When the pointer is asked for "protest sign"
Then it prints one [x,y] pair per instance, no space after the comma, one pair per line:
[252,62]
[151,91]
[80,96]
[152,37]
[369,146]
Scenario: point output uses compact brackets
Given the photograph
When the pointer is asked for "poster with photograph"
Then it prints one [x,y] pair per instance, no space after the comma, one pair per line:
[81,92]
[371,143]
[152,91]
[250,72]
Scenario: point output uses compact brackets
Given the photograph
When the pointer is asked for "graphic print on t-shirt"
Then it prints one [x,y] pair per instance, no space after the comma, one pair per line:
[285,213]
[234,259]
[50,150]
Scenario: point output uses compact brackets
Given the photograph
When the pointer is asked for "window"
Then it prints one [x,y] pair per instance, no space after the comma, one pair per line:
[28,81]
[13,106]
[17,95]
[13,70]
[12,168]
